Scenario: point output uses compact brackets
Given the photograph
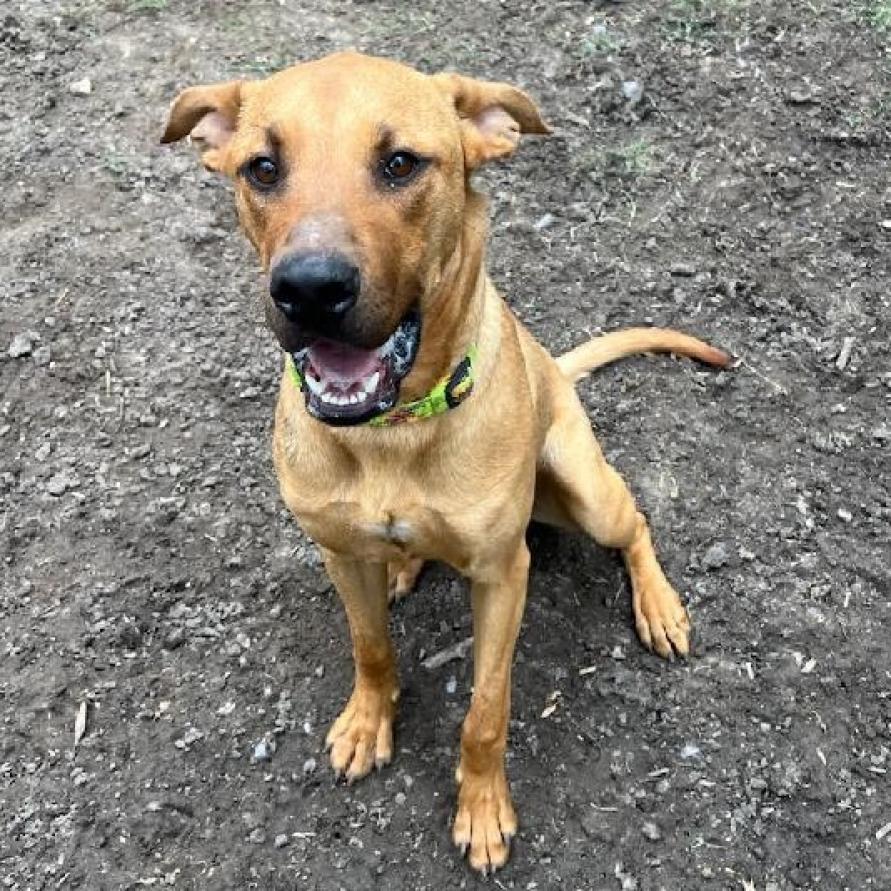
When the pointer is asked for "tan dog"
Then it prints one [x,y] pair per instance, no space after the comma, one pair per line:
[352,182]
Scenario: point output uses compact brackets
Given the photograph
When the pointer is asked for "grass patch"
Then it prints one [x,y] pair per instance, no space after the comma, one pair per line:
[695,20]
[634,159]
[600,42]
[880,15]
[117,165]
[148,5]
[630,161]
[263,66]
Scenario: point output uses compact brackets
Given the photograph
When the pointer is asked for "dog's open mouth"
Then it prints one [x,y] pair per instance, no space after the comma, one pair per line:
[345,385]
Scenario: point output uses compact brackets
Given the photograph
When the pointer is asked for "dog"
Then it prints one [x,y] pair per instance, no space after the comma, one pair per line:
[417,418]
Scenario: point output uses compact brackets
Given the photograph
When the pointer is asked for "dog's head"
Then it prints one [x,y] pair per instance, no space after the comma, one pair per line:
[351,182]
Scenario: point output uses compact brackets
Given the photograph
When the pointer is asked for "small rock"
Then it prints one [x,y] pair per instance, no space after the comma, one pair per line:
[43,452]
[651,831]
[320,671]
[264,749]
[58,484]
[626,880]
[251,820]
[543,222]
[309,766]
[192,735]
[451,685]
[690,751]
[174,639]
[845,515]
[42,356]
[257,836]
[800,97]
[632,90]
[21,345]
[82,87]
[596,825]
[716,556]
[683,270]
[844,354]
[281,840]
[400,799]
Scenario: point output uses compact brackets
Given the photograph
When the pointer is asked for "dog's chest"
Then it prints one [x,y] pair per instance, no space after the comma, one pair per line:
[375,529]
[392,531]
[374,516]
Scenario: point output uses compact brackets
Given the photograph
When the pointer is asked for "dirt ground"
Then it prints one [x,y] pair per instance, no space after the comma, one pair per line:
[721,167]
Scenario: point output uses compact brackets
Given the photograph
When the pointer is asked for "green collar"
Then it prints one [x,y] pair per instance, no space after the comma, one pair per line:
[448,392]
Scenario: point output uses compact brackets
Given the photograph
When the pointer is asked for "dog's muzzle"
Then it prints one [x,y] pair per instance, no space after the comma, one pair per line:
[345,385]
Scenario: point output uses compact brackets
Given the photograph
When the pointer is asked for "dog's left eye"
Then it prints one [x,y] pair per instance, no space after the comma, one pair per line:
[400,166]
[263,171]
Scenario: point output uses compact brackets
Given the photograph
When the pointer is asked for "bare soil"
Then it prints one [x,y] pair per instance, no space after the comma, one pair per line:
[721,167]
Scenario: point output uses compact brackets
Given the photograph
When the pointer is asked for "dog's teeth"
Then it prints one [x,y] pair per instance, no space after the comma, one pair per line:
[372,382]
[314,385]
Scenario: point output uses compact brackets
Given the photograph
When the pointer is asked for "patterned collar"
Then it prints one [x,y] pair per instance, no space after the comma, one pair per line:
[449,392]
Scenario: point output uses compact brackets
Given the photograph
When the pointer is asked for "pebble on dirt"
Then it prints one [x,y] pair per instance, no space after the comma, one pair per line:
[81,87]
[716,556]
[22,345]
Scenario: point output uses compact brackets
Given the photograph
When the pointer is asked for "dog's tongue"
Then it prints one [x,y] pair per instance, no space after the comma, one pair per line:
[340,363]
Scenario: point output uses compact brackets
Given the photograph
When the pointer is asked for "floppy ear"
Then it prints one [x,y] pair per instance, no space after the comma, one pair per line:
[493,115]
[207,114]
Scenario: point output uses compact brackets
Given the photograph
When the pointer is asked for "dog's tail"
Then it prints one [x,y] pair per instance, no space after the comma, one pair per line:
[618,344]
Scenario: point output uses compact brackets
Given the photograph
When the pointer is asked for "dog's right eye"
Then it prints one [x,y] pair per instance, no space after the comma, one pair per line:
[263,172]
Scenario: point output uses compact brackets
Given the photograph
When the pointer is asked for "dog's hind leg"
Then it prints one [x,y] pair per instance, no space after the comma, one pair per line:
[577,488]
[362,737]
[401,577]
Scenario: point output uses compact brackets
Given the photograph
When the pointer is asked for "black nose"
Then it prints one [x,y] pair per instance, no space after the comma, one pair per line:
[314,290]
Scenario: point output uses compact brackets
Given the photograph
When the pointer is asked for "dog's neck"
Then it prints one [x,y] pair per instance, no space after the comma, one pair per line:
[453,317]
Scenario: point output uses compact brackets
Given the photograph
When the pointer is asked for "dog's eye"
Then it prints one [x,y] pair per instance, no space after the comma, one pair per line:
[263,171]
[400,165]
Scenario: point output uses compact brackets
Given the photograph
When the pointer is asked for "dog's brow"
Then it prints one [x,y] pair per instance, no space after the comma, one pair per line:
[386,138]
[273,138]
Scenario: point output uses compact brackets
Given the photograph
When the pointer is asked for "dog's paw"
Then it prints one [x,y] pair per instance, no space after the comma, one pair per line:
[663,625]
[362,737]
[485,821]
[402,577]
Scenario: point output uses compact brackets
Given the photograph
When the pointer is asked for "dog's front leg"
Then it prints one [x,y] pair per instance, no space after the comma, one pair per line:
[486,820]
[362,737]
